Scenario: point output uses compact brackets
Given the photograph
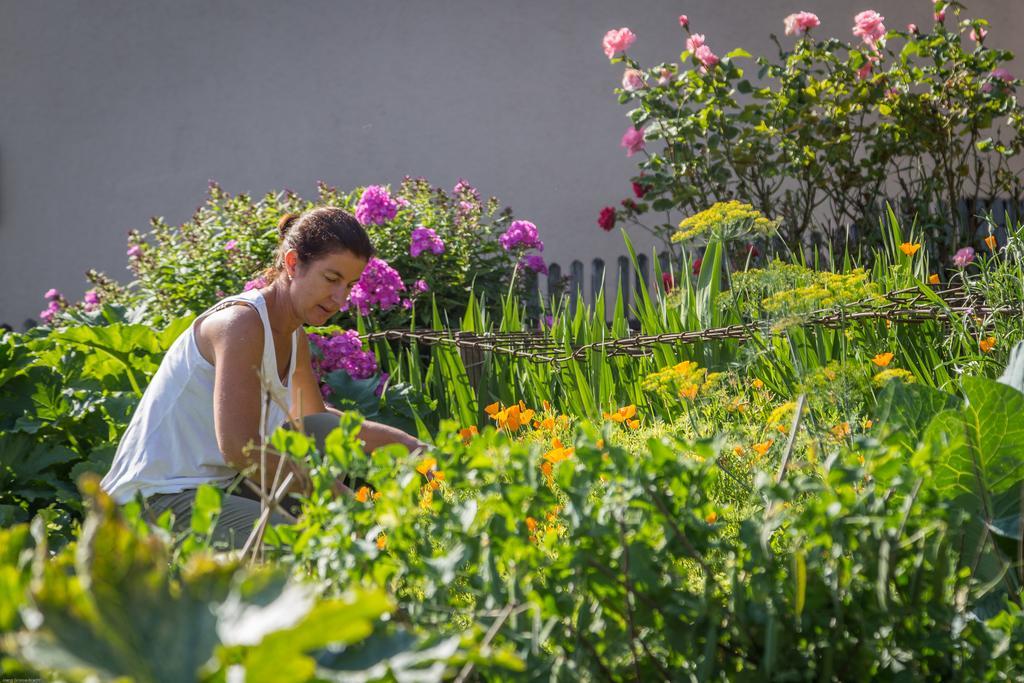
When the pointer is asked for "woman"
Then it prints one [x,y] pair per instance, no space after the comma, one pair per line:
[242,369]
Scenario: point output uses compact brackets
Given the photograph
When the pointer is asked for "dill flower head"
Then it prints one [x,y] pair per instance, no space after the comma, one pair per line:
[725,220]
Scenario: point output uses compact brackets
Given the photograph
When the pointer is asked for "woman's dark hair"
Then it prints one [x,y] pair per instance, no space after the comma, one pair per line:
[317,232]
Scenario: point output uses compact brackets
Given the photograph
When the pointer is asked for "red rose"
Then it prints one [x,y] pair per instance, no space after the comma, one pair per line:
[639,190]
[607,218]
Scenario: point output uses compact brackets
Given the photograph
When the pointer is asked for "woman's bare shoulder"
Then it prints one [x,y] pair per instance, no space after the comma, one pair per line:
[237,328]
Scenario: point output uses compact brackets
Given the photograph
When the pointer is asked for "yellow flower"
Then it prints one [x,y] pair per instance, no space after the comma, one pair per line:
[867,424]
[363,494]
[382,542]
[633,424]
[712,517]
[763,447]
[910,248]
[757,384]
[893,373]
[689,391]
[426,466]
[933,279]
[988,344]
[377,495]
[990,242]
[882,359]
[600,443]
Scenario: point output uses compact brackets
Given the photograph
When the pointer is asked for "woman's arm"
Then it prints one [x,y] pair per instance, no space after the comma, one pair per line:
[234,337]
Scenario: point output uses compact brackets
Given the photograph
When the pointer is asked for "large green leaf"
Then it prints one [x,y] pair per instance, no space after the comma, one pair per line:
[906,409]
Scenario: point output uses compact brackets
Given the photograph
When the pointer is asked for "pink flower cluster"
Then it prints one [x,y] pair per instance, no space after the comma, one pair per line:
[342,352]
[256,283]
[633,80]
[521,234]
[379,285]
[375,206]
[91,300]
[425,239]
[701,52]
[55,303]
[800,23]
[534,262]
[868,27]
[617,40]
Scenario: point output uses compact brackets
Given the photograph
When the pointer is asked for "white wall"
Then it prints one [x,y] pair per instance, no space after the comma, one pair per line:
[116,110]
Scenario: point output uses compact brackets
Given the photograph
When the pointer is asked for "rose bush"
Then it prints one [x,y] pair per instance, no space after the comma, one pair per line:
[826,129]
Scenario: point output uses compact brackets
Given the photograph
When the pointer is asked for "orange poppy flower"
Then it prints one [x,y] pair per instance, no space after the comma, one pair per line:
[363,494]
[382,542]
[468,433]
[763,447]
[712,517]
[883,359]
[988,344]
[531,524]
[990,242]
[493,409]
[910,248]
[933,279]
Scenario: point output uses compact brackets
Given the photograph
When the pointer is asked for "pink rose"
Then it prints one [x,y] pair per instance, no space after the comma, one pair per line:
[1003,74]
[694,41]
[868,26]
[706,57]
[978,34]
[911,28]
[664,77]
[865,71]
[633,80]
[633,141]
[684,21]
[800,23]
[617,40]
[940,16]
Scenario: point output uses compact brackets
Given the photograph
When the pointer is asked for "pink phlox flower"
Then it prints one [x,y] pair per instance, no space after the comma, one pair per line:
[868,27]
[800,23]
[425,239]
[255,283]
[534,262]
[964,257]
[633,141]
[342,351]
[407,304]
[381,384]
[375,206]
[52,293]
[694,41]
[231,245]
[1003,74]
[421,286]
[617,40]
[706,57]
[91,300]
[521,234]
[633,80]
[134,251]
[379,285]
[462,186]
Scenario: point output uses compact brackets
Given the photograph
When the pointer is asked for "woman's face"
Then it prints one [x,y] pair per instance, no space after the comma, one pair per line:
[321,287]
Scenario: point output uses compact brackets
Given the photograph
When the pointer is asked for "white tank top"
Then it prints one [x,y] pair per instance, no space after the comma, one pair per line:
[170,444]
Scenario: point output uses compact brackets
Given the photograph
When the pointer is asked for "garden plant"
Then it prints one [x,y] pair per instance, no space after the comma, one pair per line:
[832,490]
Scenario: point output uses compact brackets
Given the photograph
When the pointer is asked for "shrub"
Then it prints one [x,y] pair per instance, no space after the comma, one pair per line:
[441,244]
[827,129]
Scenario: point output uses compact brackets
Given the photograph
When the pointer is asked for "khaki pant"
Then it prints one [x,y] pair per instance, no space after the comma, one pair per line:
[238,513]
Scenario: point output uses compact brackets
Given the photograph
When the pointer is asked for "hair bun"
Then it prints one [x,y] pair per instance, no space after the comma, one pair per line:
[285,223]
